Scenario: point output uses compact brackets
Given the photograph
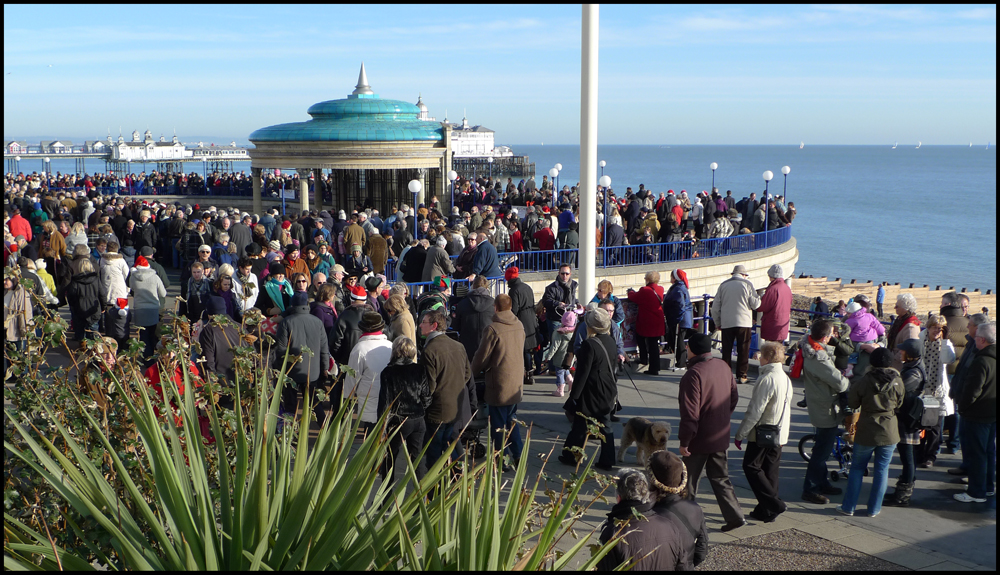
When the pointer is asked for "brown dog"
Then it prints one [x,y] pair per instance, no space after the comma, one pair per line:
[648,437]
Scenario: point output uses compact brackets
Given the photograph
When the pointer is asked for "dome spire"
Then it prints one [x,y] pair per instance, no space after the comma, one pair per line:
[362,87]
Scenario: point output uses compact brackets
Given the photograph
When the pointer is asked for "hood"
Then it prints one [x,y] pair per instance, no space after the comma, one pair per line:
[823,354]
[988,351]
[951,311]
[86,279]
[882,378]
[111,256]
[505,317]
[481,300]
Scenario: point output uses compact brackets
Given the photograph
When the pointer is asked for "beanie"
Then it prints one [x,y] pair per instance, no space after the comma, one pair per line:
[275,268]
[300,298]
[881,357]
[700,344]
[511,273]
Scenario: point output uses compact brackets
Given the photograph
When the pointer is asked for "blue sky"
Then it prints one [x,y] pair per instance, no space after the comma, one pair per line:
[668,74]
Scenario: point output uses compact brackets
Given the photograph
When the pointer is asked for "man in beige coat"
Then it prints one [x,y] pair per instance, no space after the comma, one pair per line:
[732,310]
[501,355]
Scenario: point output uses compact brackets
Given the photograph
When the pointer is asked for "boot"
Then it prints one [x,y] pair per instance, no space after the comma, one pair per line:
[901,497]
[529,379]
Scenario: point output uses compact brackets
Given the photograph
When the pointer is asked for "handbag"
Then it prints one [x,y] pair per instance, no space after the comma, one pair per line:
[769,436]
[932,411]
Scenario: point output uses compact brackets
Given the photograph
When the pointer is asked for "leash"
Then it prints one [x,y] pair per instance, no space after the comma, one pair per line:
[625,369]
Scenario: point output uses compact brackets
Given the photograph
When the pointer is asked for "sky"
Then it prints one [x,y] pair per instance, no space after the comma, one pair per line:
[673,74]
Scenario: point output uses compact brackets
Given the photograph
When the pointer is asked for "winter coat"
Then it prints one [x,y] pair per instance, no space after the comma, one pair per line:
[734,303]
[437,263]
[401,325]
[904,327]
[412,265]
[325,313]
[486,263]
[770,404]
[555,293]
[448,372]
[114,277]
[405,387]
[707,397]
[471,317]
[523,306]
[501,354]
[776,311]
[649,321]
[240,236]
[274,295]
[657,532]
[958,328]
[914,381]
[246,292]
[368,358]
[17,314]
[978,399]
[297,267]
[217,344]
[864,326]
[677,307]
[378,252]
[354,234]
[937,355]
[822,382]
[345,335]
[962,368]
[147,290]
[83,295]
[297,330]
[595,388]
[879,393]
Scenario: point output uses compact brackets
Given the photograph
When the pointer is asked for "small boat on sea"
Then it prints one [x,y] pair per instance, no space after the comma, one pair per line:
[918,145]
[802,145]
[894,144]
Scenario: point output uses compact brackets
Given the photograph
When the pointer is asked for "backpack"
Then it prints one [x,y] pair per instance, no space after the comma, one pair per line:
[797,364]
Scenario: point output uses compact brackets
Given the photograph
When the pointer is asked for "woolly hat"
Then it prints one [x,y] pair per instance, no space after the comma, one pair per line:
[286,224]
[568,322]
[358,293]
[275,268]
[775,272]
[312,247]
[291,248]
[215,305]
[853,307]
[300,298]
[371,322]
[355,247]
[511,273]
[440,283]
[147,251]
[667,472]
[274,245]
[598,320]
[681,276]
[700,344]
[881,357]
[39,263]
[141,262]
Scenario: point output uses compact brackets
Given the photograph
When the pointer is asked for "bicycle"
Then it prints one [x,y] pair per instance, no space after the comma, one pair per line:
[842,453]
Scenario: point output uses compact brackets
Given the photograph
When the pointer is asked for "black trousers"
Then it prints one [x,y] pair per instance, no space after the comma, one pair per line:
[741,337]
[649,353]
[412,432]
[929,444]
[760,466]
[578,436]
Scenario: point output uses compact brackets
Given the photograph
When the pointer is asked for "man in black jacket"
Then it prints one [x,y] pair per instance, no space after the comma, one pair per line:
[523,305]
[345,334]
[559,296]
[300,329]
[977,404]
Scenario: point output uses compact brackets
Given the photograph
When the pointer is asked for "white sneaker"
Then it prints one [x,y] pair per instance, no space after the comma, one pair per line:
[966,498]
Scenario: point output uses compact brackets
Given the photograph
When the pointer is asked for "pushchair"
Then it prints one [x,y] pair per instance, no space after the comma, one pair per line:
[843,451]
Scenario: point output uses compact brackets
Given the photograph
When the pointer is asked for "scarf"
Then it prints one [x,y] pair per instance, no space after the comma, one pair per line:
[274,291]
[898,325]
[312,263]
[815,344]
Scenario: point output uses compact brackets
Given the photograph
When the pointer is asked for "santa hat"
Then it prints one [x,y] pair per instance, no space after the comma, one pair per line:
[681,276]
[358,293]
[511,273]
[122,306]
[141,262]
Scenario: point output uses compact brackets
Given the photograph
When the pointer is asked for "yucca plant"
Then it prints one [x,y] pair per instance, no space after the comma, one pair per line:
[258,500]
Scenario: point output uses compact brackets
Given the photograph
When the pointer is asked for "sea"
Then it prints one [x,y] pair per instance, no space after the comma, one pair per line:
[910,215]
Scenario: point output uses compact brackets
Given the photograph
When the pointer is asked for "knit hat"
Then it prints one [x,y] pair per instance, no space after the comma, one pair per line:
[291,248]
[39,263]
[275,268]
[568,322]
[312,247]
[286,224]
[300,298]
[667,472]
[440,284]
[215,305]
[598,320]
[681,276]
[141,262]
[511,273]
[700,344]
[912,347]
[355,247]
[371,322]
[853,307]
[775,272]
[147,251]
[881,357]
[122,304]
[274,245]
[358,293]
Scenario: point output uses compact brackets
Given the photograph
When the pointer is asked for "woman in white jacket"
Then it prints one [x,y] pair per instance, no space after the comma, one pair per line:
[769,405]
[368,358]
[938,353]
[246,288]
[113,278]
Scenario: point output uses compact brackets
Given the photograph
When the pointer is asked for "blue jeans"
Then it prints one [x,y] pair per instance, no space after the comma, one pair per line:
[439,441]
[502,418]
[880,475]
[816,472]
[979,446]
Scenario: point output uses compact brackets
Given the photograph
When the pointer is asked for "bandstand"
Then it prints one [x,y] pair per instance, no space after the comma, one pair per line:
[372,147]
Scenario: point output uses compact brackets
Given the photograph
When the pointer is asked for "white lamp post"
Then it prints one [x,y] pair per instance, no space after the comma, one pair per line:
[552,174]
[17,164]
[490,160]
[48,173]
[602,164]
[558,168]
[784,190]
[415,186]
[452,176]
[768,175]
[605,182]
[714,167]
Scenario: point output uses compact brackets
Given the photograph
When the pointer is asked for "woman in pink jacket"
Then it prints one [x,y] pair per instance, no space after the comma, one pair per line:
[775,307]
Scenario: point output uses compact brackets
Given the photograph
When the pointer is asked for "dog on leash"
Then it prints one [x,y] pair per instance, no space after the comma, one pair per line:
[648,437]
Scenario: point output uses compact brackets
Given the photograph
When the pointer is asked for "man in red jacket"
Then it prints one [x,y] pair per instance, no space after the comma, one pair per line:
[707,398]
[19,226]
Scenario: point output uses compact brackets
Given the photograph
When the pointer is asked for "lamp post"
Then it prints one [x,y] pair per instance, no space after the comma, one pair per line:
[784,190]
[48,173]
[452,176]
[602,164]
[552,199]
[204,166]
[714,167]
[17,164]
[415,186]
[605,182]
[767,178]
[490,160]
[558,168]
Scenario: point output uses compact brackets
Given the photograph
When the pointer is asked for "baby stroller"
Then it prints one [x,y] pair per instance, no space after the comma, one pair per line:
[842,453]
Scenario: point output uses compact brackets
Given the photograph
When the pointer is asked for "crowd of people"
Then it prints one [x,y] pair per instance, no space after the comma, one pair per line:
[438,355]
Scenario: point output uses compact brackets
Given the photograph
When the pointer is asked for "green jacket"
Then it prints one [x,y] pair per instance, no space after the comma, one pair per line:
[879,393]
[822,381]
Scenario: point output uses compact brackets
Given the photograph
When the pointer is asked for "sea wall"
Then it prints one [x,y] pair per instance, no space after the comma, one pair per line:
[928,298]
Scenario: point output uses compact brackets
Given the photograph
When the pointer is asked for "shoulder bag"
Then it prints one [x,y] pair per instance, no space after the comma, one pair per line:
[769,436]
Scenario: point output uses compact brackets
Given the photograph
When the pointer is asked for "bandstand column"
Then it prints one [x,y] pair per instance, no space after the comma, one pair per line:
[303,188]
[588,152]
[258,204]
[318,189]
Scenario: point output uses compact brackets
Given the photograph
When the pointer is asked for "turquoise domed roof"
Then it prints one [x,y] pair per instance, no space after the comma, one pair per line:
[361,117]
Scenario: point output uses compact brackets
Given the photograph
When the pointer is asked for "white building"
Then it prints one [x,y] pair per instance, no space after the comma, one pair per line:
[468,141]
[232,152]
[146,150]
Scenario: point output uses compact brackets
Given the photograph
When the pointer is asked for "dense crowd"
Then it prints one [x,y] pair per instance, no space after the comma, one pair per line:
[458,335]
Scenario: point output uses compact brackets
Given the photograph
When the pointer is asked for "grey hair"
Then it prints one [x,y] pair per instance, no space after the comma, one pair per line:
[988,331]
[979,319]
[633,485]
[950,298]
[772,352]
[441,241]
[403,348]
[907,302]
[223,238]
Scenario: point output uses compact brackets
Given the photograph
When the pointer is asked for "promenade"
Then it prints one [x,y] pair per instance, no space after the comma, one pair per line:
[934,533]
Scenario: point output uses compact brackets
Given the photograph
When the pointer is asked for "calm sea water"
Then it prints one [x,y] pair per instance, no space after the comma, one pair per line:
[924,216]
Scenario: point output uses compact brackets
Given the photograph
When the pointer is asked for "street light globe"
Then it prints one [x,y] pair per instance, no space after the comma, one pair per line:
[553,173]
[605,181]
[558,167]
[713,166]
[453,175]
[768,175]
[786,170]
[490,159]
[17,158]
[603,163]
[47,160]
[415,186]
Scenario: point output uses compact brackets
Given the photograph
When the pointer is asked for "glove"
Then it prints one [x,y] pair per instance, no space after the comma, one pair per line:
[739,444]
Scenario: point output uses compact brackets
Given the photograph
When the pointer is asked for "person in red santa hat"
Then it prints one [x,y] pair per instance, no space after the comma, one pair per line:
[678,311]
[147,289]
